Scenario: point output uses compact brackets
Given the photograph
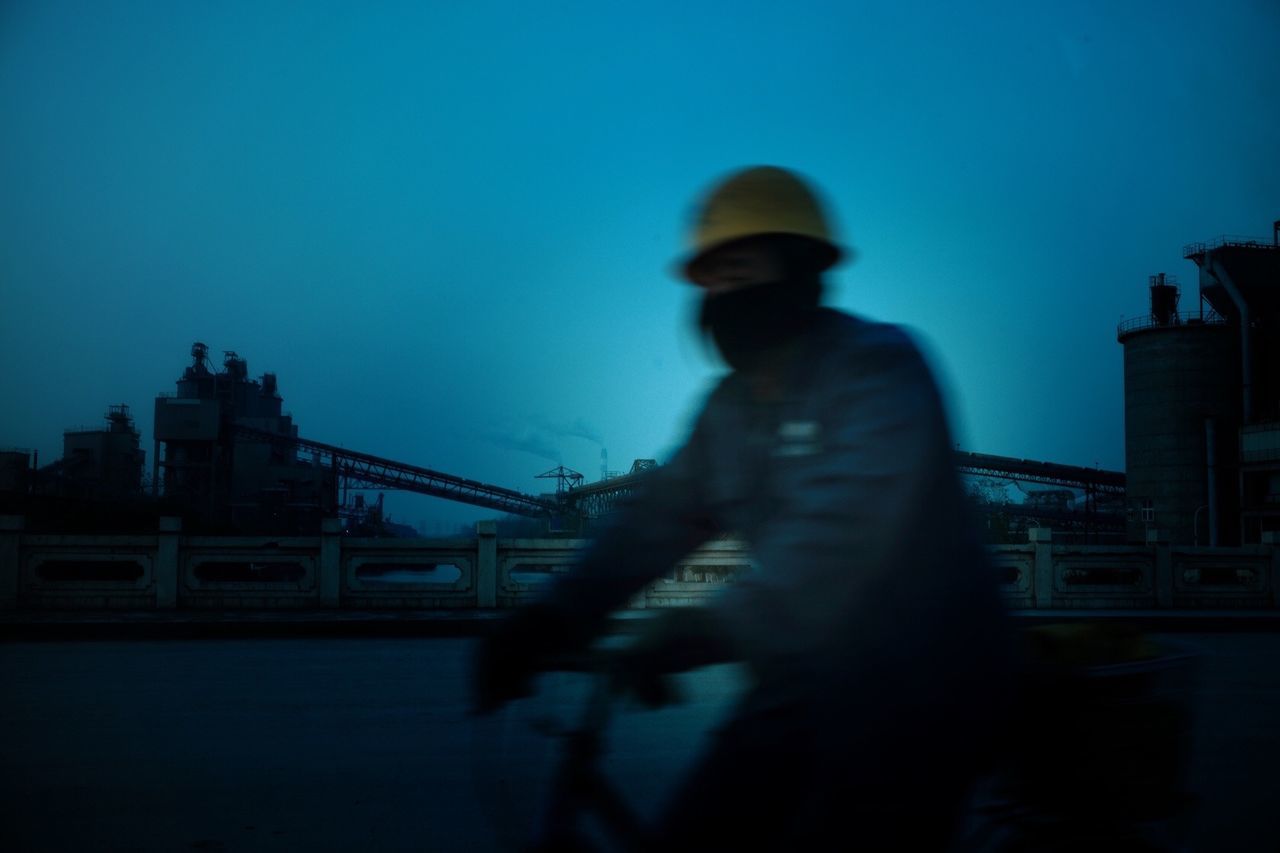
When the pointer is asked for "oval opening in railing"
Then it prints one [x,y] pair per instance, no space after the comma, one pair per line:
[1221,576]
[535,572]
[250,571]
[81,569]
[408,574]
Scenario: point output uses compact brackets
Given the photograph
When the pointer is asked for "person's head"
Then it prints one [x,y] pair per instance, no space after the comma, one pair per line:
[760,247]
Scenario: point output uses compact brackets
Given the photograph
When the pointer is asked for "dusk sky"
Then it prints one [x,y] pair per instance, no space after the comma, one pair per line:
[449,228]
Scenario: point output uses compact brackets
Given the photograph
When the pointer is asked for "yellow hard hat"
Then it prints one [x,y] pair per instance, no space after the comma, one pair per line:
[755,202]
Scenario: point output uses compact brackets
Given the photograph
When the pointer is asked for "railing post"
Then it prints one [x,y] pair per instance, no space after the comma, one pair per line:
[10,559]
[1163,580]
[1042,581]
[166,565]
[330,580]
[487,564]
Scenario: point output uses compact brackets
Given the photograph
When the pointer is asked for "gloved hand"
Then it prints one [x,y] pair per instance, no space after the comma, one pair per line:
[513,652]
[679,639]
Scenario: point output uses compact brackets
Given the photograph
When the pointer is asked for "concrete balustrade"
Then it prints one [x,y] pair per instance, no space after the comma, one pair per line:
[524,565]
[256,572]
[170,570]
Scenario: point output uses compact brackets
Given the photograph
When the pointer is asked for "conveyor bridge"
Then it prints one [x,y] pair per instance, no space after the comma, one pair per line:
[363,470]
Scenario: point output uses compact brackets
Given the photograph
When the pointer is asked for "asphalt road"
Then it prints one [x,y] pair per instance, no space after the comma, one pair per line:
[349,743]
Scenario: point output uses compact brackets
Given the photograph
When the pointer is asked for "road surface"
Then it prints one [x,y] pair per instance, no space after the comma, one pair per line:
[364,743]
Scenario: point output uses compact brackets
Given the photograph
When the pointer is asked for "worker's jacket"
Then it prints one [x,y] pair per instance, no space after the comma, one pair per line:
[865,559]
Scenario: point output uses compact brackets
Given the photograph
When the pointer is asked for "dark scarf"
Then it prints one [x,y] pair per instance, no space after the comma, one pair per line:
[748,322]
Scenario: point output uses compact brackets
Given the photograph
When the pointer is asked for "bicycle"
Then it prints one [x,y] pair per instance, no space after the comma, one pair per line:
[579,787]
[1025,813]
[639,666]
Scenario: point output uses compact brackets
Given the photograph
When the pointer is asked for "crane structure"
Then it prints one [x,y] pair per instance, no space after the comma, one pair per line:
[566,478]
[601,497]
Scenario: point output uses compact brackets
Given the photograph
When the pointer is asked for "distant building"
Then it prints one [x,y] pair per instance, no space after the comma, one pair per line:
[15,473]
[1202,400]
[103,463]
[223,475]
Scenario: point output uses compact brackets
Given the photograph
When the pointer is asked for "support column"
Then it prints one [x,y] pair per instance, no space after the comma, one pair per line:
[10,559]
[1271,539]
[166,565]
[1042,580]
[1163,580]
[487,564]
[330,580]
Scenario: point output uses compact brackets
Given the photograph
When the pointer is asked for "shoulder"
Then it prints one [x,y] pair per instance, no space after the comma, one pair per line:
[850,346]
[876,375]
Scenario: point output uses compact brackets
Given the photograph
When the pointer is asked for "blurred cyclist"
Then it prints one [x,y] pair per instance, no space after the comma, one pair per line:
[871,625]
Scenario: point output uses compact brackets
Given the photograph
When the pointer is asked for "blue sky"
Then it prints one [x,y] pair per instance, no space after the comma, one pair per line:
[449,228]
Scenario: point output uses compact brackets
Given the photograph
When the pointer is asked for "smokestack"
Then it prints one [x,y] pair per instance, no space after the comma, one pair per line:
[1164,299]
[604,464]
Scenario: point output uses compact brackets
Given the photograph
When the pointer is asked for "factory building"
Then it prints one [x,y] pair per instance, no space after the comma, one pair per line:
[15,475]
[226,476]
[103,463]
[1202,400]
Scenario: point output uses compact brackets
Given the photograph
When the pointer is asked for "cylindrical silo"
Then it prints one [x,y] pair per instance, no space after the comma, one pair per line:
[1182,392]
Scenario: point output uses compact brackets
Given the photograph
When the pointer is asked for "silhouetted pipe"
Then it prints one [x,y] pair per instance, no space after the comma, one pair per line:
[1246,343]
[1211,464]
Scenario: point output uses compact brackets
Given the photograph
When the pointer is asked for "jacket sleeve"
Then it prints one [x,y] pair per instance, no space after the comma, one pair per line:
[664,519]
[851,508]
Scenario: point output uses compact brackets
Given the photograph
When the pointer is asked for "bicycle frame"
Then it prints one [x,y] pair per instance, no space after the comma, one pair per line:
[579,788]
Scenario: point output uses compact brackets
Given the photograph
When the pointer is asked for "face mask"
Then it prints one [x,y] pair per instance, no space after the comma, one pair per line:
[747,322]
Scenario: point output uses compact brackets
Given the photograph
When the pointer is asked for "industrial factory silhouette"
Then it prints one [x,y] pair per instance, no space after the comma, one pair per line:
[1202,444]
